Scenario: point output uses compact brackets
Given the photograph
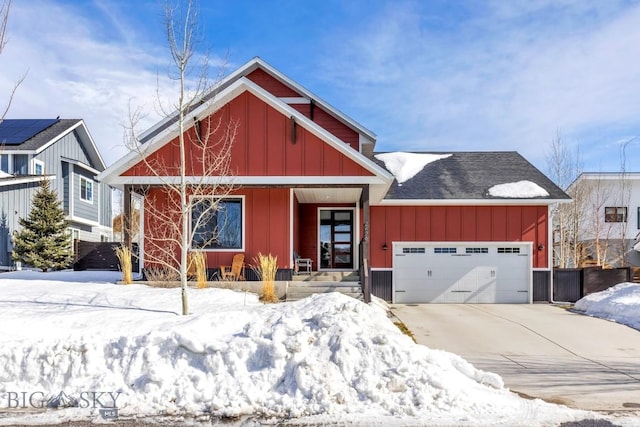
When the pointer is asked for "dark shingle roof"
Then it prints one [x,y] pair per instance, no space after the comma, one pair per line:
[469,175]
[44,136]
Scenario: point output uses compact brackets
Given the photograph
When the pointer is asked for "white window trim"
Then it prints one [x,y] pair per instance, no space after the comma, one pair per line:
[72,230]
[93,187]
[34,163]
[244,217]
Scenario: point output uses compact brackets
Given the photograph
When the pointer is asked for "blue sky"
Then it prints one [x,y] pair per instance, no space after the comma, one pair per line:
[422,75]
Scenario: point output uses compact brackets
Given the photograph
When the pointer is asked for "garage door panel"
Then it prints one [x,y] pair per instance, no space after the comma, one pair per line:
[462,272]
[420,292]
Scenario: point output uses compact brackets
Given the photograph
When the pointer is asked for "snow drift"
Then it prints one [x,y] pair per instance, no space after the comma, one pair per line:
[326,355]
[620,303]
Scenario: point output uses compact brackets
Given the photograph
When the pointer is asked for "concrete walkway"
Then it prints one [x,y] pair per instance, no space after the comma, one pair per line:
[539,350]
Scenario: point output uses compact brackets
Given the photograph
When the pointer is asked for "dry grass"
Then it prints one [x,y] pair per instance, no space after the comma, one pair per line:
[164,277]
[403,328]
[267,267]
[124,257]
[200,265]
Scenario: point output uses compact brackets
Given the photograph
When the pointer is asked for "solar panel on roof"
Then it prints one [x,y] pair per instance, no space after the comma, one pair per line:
[17,131]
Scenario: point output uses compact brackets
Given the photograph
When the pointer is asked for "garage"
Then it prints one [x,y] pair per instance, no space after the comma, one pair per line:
[462,272]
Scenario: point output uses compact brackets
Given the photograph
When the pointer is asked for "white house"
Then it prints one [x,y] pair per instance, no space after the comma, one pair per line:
[610,215]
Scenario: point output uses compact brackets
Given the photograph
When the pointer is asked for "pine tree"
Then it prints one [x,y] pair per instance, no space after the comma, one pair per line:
[43,242]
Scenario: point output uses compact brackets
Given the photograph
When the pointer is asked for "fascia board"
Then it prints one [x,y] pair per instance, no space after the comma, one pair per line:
[250,180]
[134,156]
[25,180]
[469,202]
[238,87]
[352,123]
[320,132]
[86,140]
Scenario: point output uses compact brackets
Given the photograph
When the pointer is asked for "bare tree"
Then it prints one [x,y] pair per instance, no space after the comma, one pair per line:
[624,201]
[564,168]
[5,7]
[187,210]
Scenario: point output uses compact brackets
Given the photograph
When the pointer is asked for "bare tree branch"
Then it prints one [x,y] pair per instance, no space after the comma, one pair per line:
[194,168]
[4,19]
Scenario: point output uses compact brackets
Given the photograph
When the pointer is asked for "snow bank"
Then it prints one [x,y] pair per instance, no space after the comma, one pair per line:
[518,190]
[405,166]
[620,303]
[327,355]
[3,174]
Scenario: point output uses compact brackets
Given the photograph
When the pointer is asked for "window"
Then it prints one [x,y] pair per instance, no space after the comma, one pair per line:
[4,163]
[217,223]
[37,167]
[412,250]
[477,250]
[86,190]
[638,217]
[445,250]
[615,214]
[508,250]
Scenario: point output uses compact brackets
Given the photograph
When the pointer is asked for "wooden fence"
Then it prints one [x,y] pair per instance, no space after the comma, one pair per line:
[100,256]
[571,284]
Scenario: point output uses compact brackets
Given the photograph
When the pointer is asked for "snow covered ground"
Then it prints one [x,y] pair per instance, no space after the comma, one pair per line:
[620,304]
[77,338]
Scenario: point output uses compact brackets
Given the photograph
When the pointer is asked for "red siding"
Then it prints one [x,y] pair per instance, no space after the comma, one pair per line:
[320,116]
[266,213]
[263,147]
[271,84]
[457,223]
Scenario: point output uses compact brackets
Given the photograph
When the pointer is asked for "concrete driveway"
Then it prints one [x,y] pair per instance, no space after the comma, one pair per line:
[540,351]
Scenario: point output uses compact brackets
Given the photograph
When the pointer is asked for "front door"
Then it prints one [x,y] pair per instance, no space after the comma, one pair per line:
[336,239]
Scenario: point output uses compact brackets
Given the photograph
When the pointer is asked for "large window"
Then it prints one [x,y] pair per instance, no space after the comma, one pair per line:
[615,214]
[86,190]
[217,223]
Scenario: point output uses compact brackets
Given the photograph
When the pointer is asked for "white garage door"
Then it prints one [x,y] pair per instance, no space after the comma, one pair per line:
[461,272]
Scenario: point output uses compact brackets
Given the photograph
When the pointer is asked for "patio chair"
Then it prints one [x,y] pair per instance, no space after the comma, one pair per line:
[235,271]
[299,263]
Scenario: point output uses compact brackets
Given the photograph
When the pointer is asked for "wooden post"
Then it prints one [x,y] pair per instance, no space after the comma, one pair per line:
[126,217]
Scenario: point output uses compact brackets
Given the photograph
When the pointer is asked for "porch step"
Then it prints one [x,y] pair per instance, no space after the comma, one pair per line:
[300,290]
[327,276]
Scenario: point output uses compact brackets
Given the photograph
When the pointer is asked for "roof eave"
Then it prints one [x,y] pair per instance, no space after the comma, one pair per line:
[231,92]
[470,202]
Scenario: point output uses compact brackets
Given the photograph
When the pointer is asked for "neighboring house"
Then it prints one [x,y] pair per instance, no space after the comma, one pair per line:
[609,217]
[59,150]
[439,227]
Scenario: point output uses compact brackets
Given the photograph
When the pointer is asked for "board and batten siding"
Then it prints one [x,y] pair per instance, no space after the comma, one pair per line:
[105,207]
[458,224]
[68,187]
[81,208]
[70,147]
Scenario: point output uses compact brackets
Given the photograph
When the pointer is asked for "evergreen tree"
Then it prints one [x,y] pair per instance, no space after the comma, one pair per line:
[43,242]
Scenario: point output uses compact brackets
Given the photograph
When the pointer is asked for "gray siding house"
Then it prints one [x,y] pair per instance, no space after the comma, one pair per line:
[62,151]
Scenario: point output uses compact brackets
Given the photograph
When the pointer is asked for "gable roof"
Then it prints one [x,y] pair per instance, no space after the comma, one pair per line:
[244,71]
[51,134]
[466,177]
[381,179]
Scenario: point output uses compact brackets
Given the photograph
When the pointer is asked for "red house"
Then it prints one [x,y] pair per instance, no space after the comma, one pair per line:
[429,227]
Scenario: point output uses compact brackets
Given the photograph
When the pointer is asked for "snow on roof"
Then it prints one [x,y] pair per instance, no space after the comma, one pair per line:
[3,174]
[620,303]
[405,166]
[518,190]
[325,356]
